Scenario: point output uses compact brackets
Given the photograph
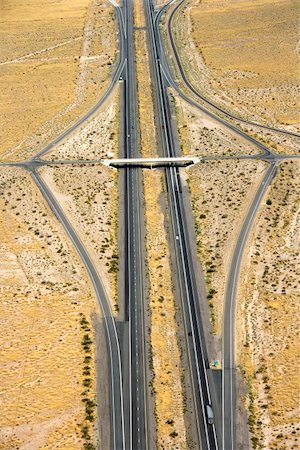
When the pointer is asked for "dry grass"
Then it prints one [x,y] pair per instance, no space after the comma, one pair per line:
[245,63]
[221,192]
[56,58]
[202,136]
[268,347]
[97,139]
[44,290]
[165,351]
[145,101]
[277,142]
[139,16]
[89,196]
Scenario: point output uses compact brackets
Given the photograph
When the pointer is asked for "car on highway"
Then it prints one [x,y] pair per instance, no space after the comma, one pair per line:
[209,414]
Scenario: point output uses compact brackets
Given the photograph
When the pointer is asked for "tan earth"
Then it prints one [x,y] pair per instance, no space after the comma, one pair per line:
[96,139]
[55,61]
[221,192]
[202,136]
[44,294]
[268,308]
[89,196]
[244,56]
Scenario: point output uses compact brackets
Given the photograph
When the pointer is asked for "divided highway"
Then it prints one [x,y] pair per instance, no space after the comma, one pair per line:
[126,339]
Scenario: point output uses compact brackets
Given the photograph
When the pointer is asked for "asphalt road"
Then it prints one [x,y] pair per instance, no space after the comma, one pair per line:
[228,441]
[228,363]
[198,361]
[135,362]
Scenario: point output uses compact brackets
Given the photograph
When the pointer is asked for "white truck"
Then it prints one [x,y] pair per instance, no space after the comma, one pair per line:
[209,414]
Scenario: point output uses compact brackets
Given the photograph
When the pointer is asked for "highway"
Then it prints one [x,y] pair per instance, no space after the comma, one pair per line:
[228,441]
[198,361]
[134,355]
[126,339]
[228,343]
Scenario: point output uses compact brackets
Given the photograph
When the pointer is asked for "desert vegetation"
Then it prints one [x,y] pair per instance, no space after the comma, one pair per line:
[268,350]
[202,136]
[165,354]
[44,290]
[89,196]
[97,139]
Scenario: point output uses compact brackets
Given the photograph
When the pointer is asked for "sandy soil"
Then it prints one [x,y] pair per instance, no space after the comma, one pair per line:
[277,142]
[44,289]
[268,343]
[88,195]
[97,139]
[55,61]
[139,16]
[145,101]
[221,192]
[202,136]
[166,384]
[248,65]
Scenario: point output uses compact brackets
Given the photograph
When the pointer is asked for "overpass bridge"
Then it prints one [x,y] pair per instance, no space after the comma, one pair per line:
[180,161]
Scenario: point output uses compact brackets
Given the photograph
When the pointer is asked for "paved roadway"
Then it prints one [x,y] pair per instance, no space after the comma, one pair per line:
[135,360]
[228,343]
[198,361]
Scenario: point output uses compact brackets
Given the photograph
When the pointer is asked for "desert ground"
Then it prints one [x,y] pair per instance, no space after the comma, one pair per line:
[96,139]
[54,64]
[268,329]
[165,352]
[200,135]
[46,308]
[221,192]
[248,65]
[89,197]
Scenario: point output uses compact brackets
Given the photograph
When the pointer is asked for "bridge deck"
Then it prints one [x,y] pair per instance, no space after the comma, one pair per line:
[152,162]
